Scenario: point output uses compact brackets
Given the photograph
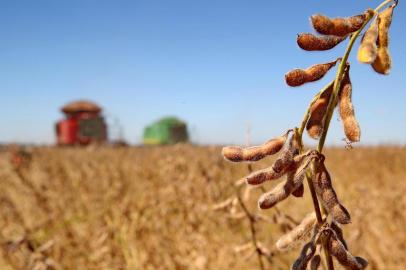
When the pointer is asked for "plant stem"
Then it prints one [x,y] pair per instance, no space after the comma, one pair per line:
[307,114]
[333,101]
[330,109]
[300,135]
[340,71]
[327,119]
[337,84]
[384,4]
[251,220]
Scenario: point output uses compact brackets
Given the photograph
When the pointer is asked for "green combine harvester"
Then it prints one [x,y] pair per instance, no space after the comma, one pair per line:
[168,130]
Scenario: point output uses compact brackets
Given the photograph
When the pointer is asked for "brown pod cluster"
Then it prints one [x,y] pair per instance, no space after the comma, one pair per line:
[325,191]
[383,62]
[339,26]
[294,179]
[280,167]
[318,110]
[298,233]
[298,77]
[351,127]
[368,50]
[310,42]
[306,255]
[343,256]
[255,153]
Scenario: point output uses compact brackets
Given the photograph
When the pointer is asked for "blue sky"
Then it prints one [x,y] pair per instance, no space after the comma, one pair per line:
[218,64]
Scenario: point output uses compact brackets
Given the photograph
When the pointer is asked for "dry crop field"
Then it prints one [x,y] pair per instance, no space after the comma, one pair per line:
[152,208]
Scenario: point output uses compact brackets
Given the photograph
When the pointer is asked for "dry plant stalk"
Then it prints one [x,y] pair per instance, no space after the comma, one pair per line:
[293,160]
[237,154]
[254,219]
[260,249]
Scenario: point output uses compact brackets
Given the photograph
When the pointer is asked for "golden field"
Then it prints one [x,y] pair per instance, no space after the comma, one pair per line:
[152,208]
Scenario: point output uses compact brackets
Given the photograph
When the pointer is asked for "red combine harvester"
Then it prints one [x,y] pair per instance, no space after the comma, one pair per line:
[83,124]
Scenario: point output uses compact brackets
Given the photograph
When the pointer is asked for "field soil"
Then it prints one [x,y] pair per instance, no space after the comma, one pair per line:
[154,208]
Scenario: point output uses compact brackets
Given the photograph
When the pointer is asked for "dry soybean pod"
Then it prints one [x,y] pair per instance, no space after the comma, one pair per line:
[280,167]
[343,256]
[298,77]
[315,262]
[279,193]
[351,127]
[325,191]
[298,192]
[286,157]
[298,233]
[317,112]
[368,50]
[255,153]
[383,61]
[310,42]
[294,180]
[339,26]
[306,255]
[339,233]
[282,164]
[259,177]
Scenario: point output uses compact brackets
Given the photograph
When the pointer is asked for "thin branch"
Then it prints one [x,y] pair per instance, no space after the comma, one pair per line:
[251,219]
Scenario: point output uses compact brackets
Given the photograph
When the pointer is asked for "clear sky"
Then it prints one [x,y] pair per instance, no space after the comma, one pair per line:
[218,64]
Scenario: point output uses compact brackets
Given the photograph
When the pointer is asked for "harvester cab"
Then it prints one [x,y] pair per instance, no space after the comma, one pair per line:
[83,124]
